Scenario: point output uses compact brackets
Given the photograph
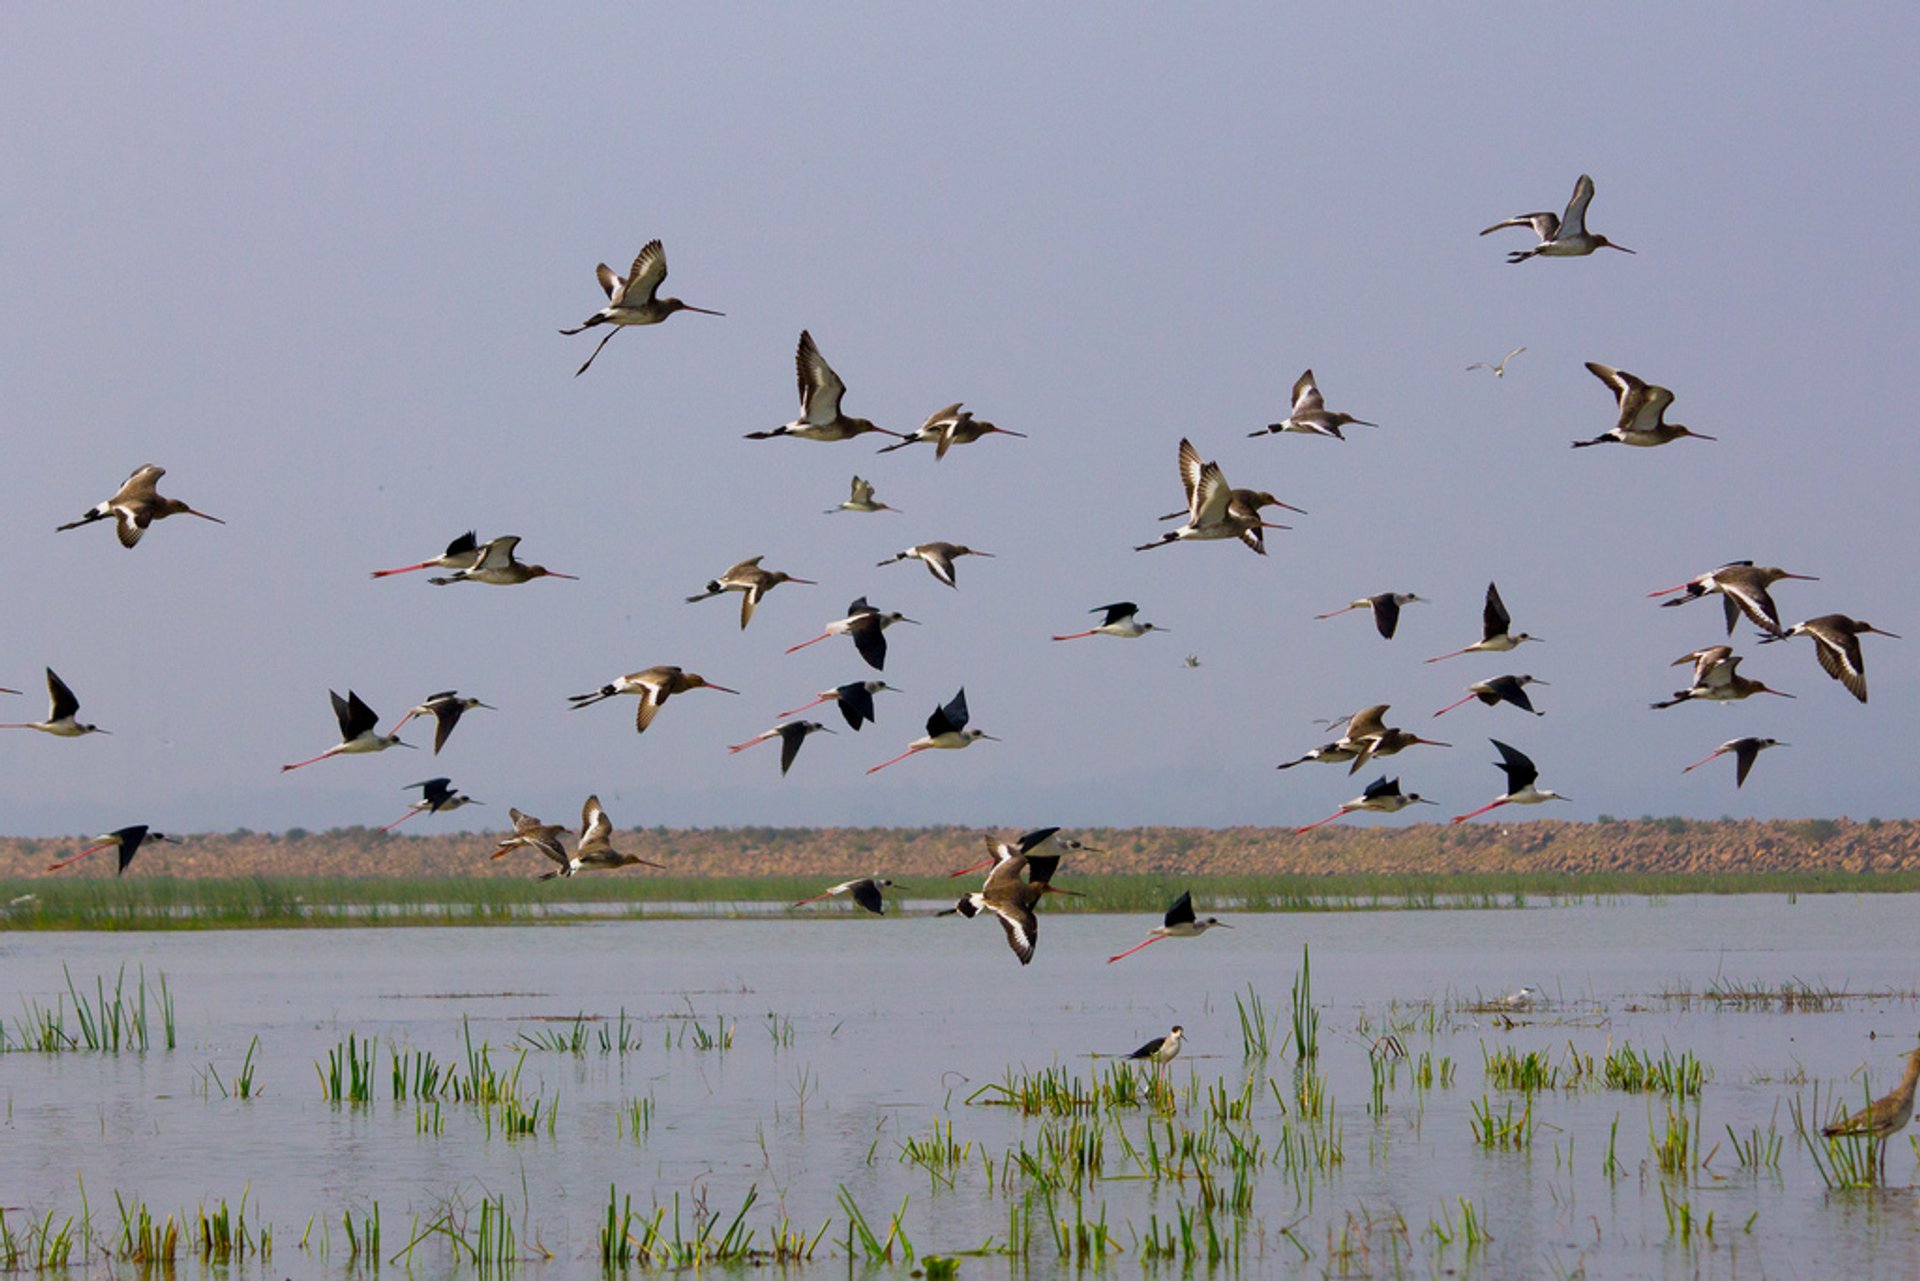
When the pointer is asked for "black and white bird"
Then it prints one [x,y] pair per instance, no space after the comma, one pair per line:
[946,731]
[437,796]
[1501,689]
[359,731]
[1522,778]
[868,627]
[1161,1050]
[1382,796]
[854,699]
[446,708]
[1385,607]
[866,892]
[1010,898]
[1745,752]
[791,735]
[1121,620]
[1496,630]
[61,709]
[125,839]
[1179,923]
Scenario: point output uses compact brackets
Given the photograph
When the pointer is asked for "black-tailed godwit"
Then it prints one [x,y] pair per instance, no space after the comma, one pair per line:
[860,499]
[820,394]
[1561,236]
[1643,412]
[136,505]
[938,558]
[654,685]
[1311,415]
[633,300]
[948,427]
[1836,643]
[752,582]
[1743,590]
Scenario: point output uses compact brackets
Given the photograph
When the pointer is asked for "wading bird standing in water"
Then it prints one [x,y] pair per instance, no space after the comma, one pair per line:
[1886,1116]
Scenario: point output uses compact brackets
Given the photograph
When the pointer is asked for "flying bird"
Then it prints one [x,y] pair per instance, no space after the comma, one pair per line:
[820,392]
[654,685]
[1743,590]
[1501,689]
[61,707]
[1643,412]
[1565,236]
[594,851]
[1179,923]
[359,731]
[791,735]
[752,582]
[634,300]
[1521,779]
[437,795]
[1745,752]
[1213,509]
[1385,607]
[1383,796]
[1716,679]
[125,839]
[865,892]
[530,833]
[1039,840]
[462,553]
[1009,898]
[1496,630]
[1121,620]
[496,566]
[938,558]
[1311,415]
[1836,643]
[948,427]
[868,627]
[860,499]
[1368,737]
[136,505]
[446,708]
[1499,369]
[946,731]
[854,699]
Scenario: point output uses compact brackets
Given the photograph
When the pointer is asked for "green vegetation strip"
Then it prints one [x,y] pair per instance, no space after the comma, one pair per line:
[158,902]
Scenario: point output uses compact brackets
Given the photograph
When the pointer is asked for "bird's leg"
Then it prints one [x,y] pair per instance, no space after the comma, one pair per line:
[1135,948]
[596,351]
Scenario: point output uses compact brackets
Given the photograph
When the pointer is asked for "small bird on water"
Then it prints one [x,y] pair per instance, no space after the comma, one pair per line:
[1161,1050]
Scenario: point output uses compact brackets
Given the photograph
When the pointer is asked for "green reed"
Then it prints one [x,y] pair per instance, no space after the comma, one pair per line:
[348,1076]
[1306,1019]
[242,1085]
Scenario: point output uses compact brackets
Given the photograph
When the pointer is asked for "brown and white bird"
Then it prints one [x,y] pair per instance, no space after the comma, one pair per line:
[654,685]
[1745,752]
[1522,783]
[1179,923]
[446,708]
[125,839]
[1501,689]
[1496,630]
[1643,412]
[1041,840]
[462,553]
[1011,899]
[1385,607]
[860,499]
[1836,643]
[1887,1115]
[1369,738]
[948,427]
[547,839]
[61,709]
[752,582]
[868,627]
[633,300]
[1743,590]
[854,699]
[136,505]
[497,566]
[437,796]
[865,892]
[1382,796]
[938,558]
[359,731]
[1214,509]
[820,393]
[1121,620]
[1311,415]
[946,731]
[594,851]
[1716,679]
[1563,235]
[791,735]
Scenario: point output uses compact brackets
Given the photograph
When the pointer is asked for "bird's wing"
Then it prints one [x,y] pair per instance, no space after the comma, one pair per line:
[650,699]
[1494,618]
[1544,224]
[950,719]
[856,704]
[608,281]
[360,718]
[820,388]
[1022,927]
[1574,221]
[1841,658]
[596,829]
[1382,786]
[939,559]
[1181,913]
[1752,599]
[1643,412]
[1306,395]
[862,492]
[523,824]
[446,714]
[1516,693]
[1618,380]
[341,713]
[467,542]
[1519,768]
[1745,752]
[867,894]
[1191,466]
[870,640]
[1213,497]
[141,487]
[498,554]
[1115,612]
[791,736]
[1368,722]
[1255,537]
[1386,614]
[129,524]
[644,277]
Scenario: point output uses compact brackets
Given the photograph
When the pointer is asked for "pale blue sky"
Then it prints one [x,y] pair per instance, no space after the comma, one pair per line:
[313,263]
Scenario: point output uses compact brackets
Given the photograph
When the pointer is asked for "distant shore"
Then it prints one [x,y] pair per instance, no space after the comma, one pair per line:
[1658,847]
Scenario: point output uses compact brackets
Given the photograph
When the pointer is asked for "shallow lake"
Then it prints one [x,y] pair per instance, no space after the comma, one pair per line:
[801,1057]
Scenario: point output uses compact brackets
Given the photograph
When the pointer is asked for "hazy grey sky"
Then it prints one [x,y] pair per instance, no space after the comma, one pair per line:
[313,264]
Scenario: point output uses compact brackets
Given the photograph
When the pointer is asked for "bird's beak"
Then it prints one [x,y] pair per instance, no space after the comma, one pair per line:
[169,840]
[554,573]
[1223,925]
[1432,743]
[988,555]
[1421,800]
[722,688]
[203,516]
[1891,635]
[1622,248]
[398,743]
[808,581]
[707,311]
[1538,681]
[990,738]
[914,621]
[489,706]
[826,729]
[1700,435]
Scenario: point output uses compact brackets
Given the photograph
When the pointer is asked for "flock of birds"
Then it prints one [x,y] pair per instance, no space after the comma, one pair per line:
[1021,872]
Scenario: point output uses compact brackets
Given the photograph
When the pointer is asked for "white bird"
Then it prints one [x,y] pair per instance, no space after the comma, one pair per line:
[359,731]
[61,707]
[1521,778]
[946,731]
[1179,923]
[1121,620]
[1500,369]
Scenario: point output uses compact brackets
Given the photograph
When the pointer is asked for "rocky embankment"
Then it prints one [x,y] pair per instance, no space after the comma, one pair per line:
[1670,845]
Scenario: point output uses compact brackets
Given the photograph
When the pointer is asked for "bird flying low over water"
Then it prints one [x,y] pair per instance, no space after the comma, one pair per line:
[820,394]
[791,735]
[446,708]
[948,427]
[136,505]
[938,558]
[1496,630]
[752,582]
[1561,236]
[530,833]
[496,566]
[1836,643]
[1368,737]
[946,731]
[654,685]
[594,851]
[1745,752]
[866,892]
[1521,778]
[1643,412]
[1385,607]
[359,731]
[1121,620]
[1041,840]
[437,795]
[1011,899]
[61,709]
[1179,923]
[125,839]
[868,627]
[1382,796]
[1743,590]
[633,300]
[1311,415]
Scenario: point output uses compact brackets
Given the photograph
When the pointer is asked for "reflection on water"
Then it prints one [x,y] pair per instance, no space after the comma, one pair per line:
[801,1057]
